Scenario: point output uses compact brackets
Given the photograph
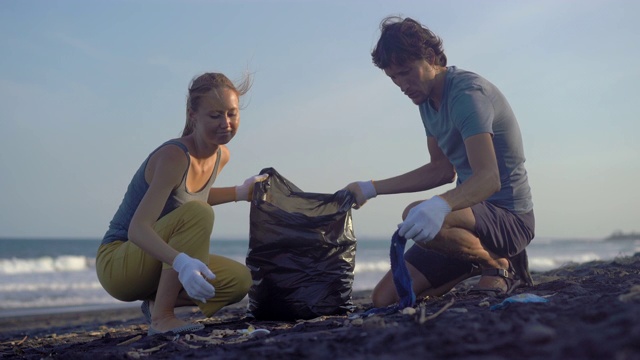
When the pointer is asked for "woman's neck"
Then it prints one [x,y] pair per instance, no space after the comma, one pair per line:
[200,149]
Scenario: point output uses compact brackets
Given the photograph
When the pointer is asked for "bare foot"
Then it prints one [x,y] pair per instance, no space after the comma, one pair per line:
[164,320]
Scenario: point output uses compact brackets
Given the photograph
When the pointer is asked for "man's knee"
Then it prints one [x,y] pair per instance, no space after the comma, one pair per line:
[383,295]
[405,213]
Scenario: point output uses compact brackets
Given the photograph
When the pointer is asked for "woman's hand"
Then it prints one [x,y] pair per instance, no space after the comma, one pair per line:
[192,274]
[244,192]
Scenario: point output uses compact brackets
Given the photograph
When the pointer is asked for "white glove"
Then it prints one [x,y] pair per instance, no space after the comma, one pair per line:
[192,273]
[363,191]
[243,191]
[424,220]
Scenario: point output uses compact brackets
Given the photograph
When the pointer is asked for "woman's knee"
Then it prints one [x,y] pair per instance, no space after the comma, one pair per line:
[241,284]
[235,280]
[200,212]
[234,290]
[189,229]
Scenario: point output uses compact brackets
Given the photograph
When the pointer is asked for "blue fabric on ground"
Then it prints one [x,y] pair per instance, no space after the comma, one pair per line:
[401,278]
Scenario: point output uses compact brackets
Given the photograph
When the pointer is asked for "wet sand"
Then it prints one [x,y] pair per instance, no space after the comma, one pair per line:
[592,312]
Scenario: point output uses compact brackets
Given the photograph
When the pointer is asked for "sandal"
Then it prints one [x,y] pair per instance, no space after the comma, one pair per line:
[146,311]
[509,277]
[188,328]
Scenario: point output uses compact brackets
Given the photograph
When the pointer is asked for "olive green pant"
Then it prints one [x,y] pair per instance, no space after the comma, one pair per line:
[128,273]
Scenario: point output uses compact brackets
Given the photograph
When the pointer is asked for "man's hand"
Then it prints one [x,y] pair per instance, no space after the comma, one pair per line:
[192,273]
[244,192]
[362,191]
[425,220]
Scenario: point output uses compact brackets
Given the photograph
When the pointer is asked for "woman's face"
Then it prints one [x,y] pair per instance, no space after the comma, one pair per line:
[218,116]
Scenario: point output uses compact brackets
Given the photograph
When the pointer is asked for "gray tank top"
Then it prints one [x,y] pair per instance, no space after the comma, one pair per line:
[119,225]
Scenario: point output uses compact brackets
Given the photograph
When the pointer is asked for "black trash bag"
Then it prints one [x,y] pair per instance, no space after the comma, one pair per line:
[301,251]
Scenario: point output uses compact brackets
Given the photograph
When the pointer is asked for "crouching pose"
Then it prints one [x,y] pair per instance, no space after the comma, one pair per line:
[483,225]
[157,246]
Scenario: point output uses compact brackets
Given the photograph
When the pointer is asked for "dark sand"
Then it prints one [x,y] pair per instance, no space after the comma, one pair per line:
[593,313]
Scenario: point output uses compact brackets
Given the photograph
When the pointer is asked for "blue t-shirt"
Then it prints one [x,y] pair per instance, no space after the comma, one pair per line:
[472,105]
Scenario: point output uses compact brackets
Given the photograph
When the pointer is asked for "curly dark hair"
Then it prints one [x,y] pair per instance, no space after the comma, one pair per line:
[404,39]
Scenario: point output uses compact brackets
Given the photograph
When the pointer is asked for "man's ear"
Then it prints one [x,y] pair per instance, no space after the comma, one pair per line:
[430,56]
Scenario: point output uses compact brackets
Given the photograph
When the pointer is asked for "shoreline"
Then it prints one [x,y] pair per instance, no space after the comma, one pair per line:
[27,287]
[592,312]
[54,310]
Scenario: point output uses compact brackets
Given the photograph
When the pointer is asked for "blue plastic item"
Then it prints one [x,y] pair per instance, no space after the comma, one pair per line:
[520,298]
[401,279]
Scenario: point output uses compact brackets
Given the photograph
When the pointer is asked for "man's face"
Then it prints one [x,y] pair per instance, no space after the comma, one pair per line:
[415,78]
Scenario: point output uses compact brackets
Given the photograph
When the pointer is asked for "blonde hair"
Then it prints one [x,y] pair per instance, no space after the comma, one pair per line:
[203,84]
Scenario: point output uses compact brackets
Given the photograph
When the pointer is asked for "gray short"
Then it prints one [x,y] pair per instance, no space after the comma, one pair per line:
[500,231]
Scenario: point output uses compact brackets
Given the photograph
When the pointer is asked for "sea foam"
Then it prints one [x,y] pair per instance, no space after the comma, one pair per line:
[45,264]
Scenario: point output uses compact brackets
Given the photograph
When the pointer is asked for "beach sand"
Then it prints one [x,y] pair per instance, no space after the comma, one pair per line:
[593,312]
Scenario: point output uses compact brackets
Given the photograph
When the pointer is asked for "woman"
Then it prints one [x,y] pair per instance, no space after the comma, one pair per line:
[158,241]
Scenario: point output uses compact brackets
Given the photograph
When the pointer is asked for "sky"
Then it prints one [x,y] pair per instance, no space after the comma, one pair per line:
[89,88]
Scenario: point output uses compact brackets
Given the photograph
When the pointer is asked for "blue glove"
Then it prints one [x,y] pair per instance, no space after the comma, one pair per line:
[425,220]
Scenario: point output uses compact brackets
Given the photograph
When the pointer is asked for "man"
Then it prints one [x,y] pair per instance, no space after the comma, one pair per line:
[482,226]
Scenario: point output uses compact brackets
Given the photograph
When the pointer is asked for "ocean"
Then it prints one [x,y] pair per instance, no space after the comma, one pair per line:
[58,275]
